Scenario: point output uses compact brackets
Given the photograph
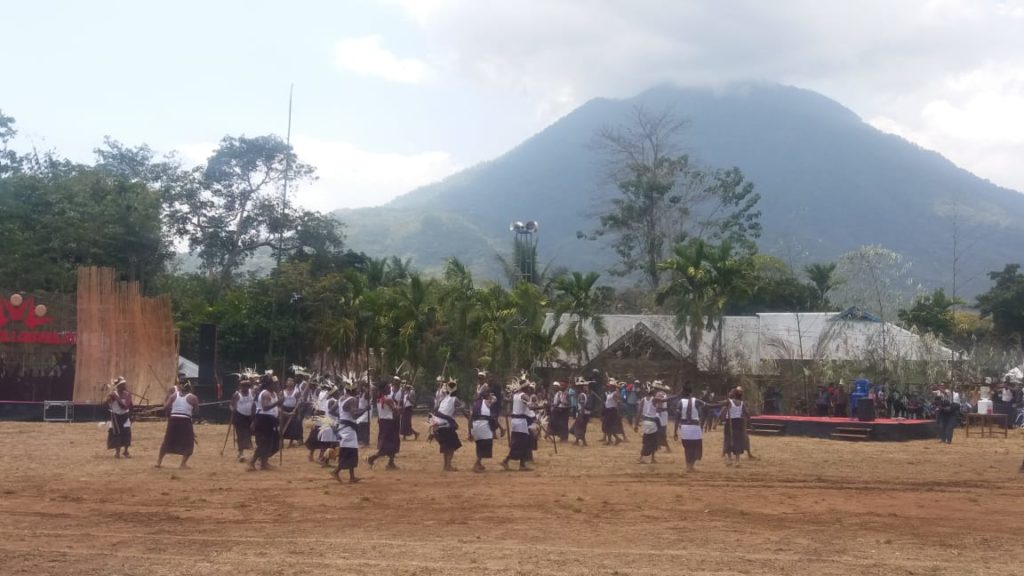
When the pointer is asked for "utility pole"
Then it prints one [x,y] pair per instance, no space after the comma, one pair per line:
[280,236]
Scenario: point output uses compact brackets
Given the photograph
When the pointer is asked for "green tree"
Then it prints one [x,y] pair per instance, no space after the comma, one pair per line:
[62,215]
[576,296]
[704,279]
[932,313]
[1004,303]
[9,160]
[235,204]
[774,288]
[823,278]
[665,198]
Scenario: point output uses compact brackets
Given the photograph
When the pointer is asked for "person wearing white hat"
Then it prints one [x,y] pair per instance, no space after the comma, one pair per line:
[611,419]
[522,417]
[119,426]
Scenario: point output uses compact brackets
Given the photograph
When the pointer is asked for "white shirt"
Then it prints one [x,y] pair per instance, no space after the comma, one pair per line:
[689,431]
[649,410]
[482,428]
[290,400]
[347,437]
[581,401]
[181,407]
[364,404]
[272,398]
[384,412]
[663,410]
[245,403]
[1007,395]
[735,409]
[520,407]
[611,399]
[446,407]
[321,401]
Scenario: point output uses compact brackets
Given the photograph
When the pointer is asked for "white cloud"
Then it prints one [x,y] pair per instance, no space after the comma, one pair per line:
[947,74]
[367,56]
[349,177]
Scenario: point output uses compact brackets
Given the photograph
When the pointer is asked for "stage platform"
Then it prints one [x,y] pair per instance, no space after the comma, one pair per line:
[882,429]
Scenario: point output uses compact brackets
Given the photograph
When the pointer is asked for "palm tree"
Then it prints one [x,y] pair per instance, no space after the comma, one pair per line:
[823,278]
[704,278]
[575,295]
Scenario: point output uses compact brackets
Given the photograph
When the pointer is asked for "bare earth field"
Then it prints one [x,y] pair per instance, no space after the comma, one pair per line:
[805,507]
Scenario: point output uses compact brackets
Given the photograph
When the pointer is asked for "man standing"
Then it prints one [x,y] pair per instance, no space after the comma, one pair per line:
[522,418]
[243,404]
[734,421]
[179,438]
[119,427]
[651,423]
[689,427]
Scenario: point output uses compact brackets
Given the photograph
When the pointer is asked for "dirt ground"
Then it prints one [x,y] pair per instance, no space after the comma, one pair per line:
[804,507]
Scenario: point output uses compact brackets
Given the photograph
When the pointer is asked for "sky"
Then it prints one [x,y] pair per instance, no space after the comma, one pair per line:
[393,94]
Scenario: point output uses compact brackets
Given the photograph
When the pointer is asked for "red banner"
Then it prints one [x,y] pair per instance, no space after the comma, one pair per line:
[22,312]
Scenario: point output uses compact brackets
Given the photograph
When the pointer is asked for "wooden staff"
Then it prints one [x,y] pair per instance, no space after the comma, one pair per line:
[231,428]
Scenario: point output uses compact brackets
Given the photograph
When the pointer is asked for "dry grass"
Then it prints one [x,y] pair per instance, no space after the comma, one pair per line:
[805,507]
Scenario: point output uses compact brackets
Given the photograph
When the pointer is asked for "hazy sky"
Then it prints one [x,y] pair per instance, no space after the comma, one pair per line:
[391,94]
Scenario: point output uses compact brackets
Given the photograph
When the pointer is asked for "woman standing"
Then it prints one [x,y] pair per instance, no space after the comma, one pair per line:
[583,402]
[243,404]
[611,419]
[445,426]
[266,422]
[179,438]
[522,417]
[119,427]
[734,421]
[291,418]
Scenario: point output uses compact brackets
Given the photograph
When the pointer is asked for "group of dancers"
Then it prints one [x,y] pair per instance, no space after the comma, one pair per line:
[266,412]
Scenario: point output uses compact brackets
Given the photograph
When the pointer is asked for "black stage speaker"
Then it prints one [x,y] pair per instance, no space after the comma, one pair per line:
[865,410]
[207,358]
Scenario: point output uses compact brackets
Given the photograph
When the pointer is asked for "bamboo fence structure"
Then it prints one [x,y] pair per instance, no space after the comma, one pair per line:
[122,333]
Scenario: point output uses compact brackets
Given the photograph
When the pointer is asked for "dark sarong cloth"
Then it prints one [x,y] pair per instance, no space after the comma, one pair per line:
[611,421]
[650,445]
[735,436]
[363,433]
[268,440]
[520,446]
[559,423]
[243,431]
[484,449]
[388,440]
[406,427]
[117,435]
[348,458]
[694,450]
[447,439]
[663,436]
[294,429]
[179,437]
[579,427]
